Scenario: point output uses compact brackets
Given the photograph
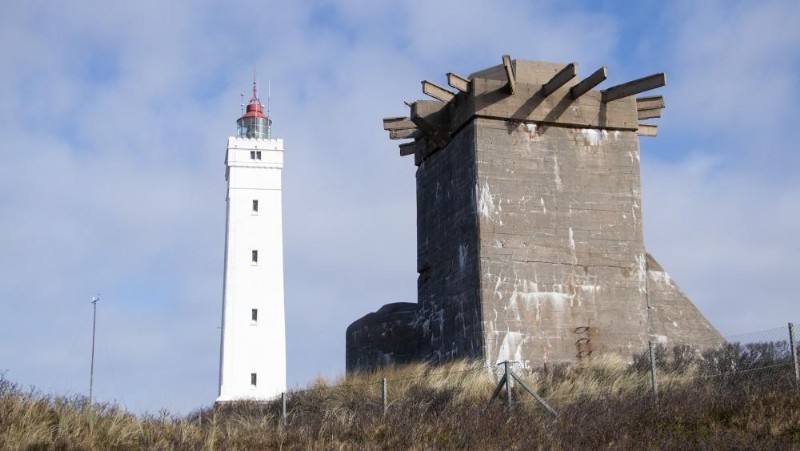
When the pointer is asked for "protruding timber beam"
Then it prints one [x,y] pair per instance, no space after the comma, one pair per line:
[420,148]
[512,78]
[436,91]
[589,82]
[649,114]
[564,75]
[647,130]
[431,117]
[650,103]
[458,82]
[409,148]
[649,107]
[398,123]
[405,133]
[635,87]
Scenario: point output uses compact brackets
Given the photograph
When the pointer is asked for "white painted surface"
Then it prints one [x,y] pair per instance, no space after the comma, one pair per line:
[253,347]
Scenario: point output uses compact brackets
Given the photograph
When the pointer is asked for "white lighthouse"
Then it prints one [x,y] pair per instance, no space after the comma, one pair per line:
[253,348]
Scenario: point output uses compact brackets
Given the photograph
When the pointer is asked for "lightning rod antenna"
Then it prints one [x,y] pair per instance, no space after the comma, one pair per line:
[269,116]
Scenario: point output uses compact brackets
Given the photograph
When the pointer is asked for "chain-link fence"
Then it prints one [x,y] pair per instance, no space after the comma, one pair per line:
[761,358]
[767,358]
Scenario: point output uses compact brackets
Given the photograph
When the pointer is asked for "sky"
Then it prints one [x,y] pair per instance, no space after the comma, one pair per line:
[114,118]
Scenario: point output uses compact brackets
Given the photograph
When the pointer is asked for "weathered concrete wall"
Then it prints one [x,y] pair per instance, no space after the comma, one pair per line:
[674,319]
[383,337]
[447,321]
[450,317]
[529,232]
[562,255]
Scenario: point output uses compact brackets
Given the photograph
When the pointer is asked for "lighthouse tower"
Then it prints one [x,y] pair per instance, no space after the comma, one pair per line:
[253,347]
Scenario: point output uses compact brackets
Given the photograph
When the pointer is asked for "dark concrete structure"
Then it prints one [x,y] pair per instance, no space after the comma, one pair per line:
[529,226]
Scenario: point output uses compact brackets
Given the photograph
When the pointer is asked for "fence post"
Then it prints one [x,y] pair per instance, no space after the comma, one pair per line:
[508,385]
[793,348]
[499,387]
[653,379]
[383,395]
[535,396]
[283,408]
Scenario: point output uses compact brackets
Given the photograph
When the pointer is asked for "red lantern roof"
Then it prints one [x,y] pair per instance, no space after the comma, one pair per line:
[254,108]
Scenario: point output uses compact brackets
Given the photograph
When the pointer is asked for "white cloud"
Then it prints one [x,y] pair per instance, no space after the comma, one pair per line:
[114,120]
[738,64]
[727,238]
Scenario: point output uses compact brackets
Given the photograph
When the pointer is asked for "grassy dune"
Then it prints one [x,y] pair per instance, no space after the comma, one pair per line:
[605,404]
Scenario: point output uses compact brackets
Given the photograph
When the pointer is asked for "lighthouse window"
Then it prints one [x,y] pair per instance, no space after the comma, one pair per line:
[254,315]
[253,379]
[255,154]
[255,256]
[255,205]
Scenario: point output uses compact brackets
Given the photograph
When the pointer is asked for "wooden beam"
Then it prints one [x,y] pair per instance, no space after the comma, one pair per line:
[635,87]
[458,82]
[649,103]
[398,123]
[405,133]
[436,91]
[512,79]
[432,118]
[589,82]
[647,130]
[489,98]
[564,75]
[409,148]
[649,113]
[428,115]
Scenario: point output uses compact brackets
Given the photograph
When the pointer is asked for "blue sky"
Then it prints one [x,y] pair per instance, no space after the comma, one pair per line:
[114,119]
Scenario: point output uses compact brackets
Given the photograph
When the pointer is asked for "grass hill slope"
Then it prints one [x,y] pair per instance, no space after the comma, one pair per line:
[753,404]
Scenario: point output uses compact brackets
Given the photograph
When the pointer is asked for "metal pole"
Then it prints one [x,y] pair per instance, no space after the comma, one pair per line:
[653,379]
[94,329]
[498,388]
[793,348]
[508,386]
[535,396]
[383,396]
[283,408]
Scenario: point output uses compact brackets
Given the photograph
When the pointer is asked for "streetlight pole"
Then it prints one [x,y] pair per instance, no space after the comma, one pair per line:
[94,328]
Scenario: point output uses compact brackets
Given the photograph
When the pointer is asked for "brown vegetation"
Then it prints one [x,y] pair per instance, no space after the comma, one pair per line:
[607,404]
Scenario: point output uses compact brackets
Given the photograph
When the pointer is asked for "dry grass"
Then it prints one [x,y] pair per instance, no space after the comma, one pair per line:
[607,403]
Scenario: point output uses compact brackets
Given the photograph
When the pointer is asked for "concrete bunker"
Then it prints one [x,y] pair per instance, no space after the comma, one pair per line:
[529,225]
